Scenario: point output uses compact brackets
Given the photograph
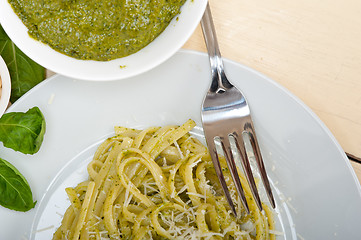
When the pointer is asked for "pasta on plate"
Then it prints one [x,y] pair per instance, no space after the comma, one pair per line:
[158,183]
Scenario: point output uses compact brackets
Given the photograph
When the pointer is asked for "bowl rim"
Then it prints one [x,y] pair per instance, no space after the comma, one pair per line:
[6,86]
[159,50]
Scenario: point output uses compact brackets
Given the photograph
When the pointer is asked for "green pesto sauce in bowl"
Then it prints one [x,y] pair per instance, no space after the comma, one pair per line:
[96,29]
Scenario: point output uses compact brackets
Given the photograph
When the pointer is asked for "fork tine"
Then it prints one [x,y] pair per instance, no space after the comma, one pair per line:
[233,170]
[261,167]
[218,168]
[247,169]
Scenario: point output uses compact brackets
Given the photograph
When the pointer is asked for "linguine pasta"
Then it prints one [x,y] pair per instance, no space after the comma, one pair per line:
[158,183]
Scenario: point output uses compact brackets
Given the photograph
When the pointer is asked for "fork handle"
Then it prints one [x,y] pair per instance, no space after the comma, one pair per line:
[219,80]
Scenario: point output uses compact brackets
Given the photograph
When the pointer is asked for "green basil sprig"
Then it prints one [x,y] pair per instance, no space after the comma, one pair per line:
[14,189]
[23,132]
[24,72]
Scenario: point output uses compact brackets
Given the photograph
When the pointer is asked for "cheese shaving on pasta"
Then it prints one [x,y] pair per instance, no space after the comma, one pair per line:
[158,183]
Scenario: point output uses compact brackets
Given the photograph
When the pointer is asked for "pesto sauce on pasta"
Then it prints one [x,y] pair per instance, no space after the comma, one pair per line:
[158,183]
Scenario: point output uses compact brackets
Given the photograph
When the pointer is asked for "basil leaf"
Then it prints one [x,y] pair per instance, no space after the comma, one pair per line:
[23,132]
[24,72]
[15,192]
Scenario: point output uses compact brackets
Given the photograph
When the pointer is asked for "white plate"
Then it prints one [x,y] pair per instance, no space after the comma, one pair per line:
[317,193]
[162,48]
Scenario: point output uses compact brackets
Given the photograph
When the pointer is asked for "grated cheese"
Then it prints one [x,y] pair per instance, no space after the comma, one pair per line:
[275,232]
[51,99]
[178,148]
[300,237]
[61,215]
[45,229]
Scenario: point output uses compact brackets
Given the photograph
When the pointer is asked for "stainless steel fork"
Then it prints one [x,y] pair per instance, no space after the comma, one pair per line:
[226,115]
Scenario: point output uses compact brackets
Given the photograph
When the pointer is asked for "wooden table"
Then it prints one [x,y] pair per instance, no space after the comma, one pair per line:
[312,48]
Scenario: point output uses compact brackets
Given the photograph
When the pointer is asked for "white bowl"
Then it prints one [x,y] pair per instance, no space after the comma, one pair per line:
[163,47]
[6,86]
